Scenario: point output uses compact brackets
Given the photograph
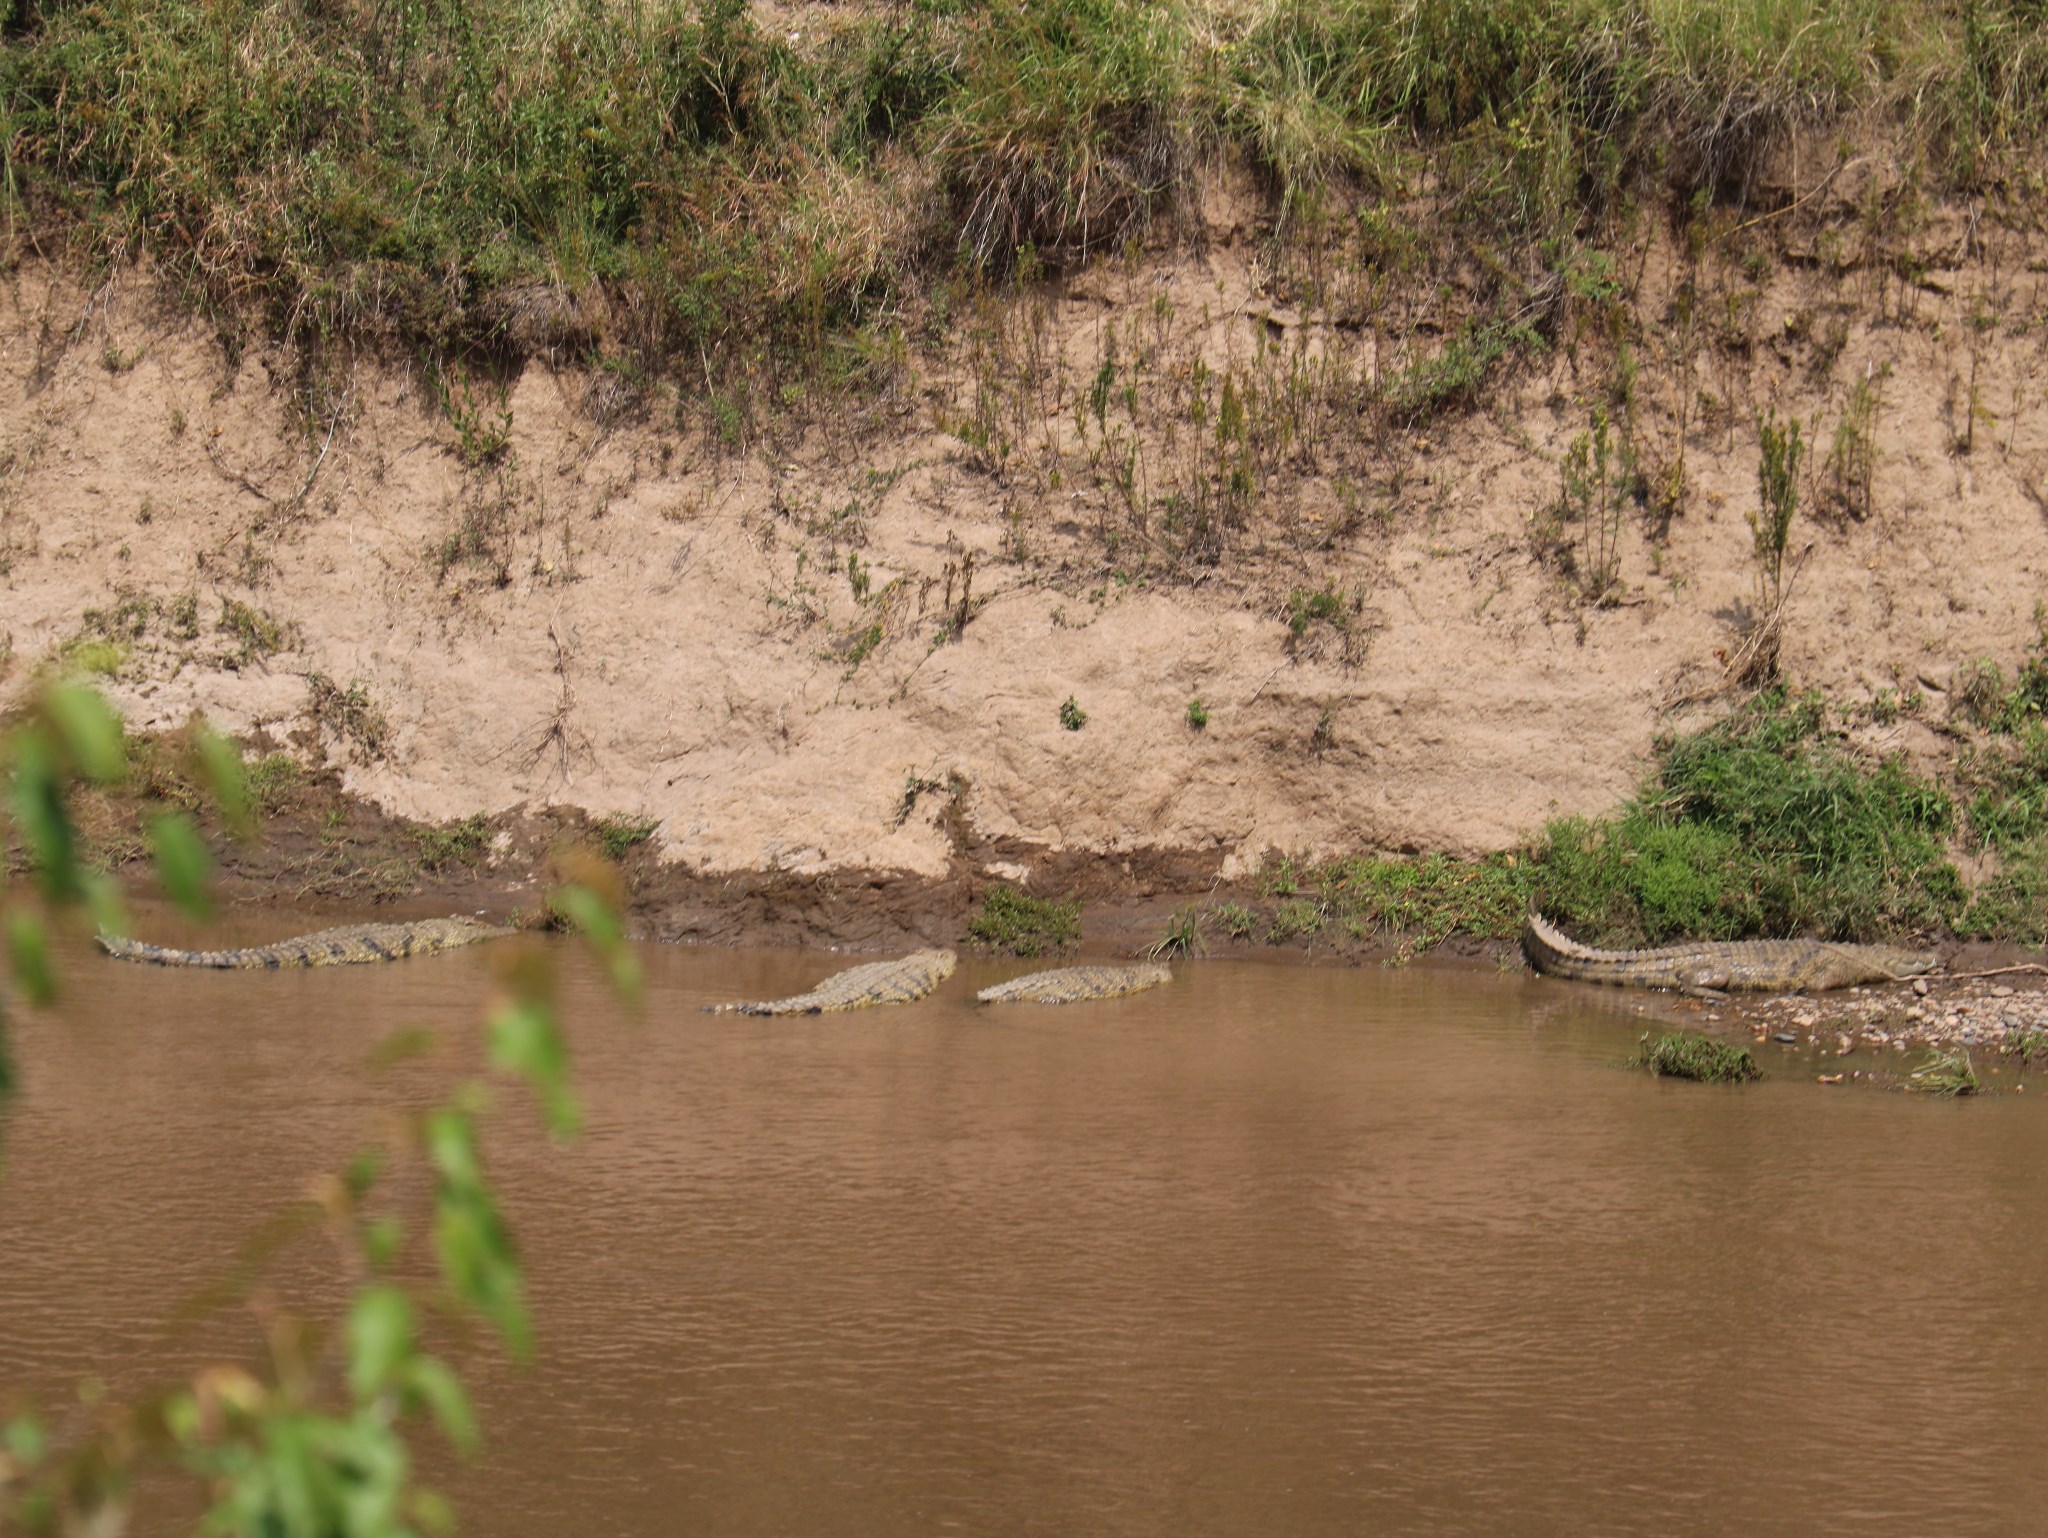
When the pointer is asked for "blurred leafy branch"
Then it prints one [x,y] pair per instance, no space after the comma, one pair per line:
[313,1439]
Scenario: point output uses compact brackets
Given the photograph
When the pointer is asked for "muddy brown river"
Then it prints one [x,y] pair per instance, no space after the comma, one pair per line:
[1273,1250]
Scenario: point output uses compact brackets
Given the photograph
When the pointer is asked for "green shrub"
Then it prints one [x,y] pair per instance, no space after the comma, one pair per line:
[1022,925]
[1072,716]
[1761,824]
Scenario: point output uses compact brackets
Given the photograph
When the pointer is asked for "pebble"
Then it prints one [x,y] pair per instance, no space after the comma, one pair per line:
[1969,1012]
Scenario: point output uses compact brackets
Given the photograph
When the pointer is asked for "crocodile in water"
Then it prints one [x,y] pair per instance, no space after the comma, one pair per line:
[1704,966]
[351,943]
[1072,985]
[879,982]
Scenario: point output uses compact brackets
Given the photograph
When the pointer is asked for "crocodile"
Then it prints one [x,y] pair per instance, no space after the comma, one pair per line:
[351,943]
[1714,966]
[1072,985]
[878,982]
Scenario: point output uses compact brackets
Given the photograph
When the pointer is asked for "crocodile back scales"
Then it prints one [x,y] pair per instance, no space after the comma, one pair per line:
[1074,985]
[878,982]
[350,944]
[1783,966]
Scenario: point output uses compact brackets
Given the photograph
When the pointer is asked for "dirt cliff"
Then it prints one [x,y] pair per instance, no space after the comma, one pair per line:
[834,637]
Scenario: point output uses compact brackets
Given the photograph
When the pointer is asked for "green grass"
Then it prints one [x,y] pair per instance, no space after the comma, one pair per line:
[1765,823]
[448,844]
[1022,925]
[1947,1072]
[1183,936]
[618,833]
[650,185]
[1687,1055]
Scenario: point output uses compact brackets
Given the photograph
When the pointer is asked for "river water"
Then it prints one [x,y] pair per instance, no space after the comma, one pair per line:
[1275,1249]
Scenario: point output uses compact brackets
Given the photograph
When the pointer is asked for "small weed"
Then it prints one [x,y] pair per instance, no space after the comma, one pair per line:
[1072,716]
[271,779]
[350,714]
[1687,1055]
[102,658]
[128,620]
[182,615]
[1305,608]
[259,634]
[1948,1073]
[482,434]
[1198,714]
[1235,920]
[1852,458]
[2029,1044]
[1780,449]
[1324,736]
[914,785]
[859,646]
[453,843]
[620,832]
[1022,925]
[1595,496]
[1297,918]
[1183,936]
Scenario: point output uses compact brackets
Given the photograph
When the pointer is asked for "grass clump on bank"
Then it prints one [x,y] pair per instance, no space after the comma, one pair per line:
[1687,1055]
[1764,823]
[1947,1074]
[647,185]
[1022,925]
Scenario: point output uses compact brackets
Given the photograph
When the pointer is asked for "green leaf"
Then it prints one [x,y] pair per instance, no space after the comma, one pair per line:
[183,862]
[89,730]
[380,1340]
[39,811]
[218,765]
[381,1240]
[102,895]
[24,1441]
[362,1173]
[28,956]
[441,1392]
[600,926]
[525,1040]
[470,1240]
[402,1045]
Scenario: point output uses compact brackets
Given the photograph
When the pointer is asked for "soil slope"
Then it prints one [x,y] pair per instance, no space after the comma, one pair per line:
[821,644]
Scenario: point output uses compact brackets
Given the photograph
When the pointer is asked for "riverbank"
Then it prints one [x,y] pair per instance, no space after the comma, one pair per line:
[1232,570]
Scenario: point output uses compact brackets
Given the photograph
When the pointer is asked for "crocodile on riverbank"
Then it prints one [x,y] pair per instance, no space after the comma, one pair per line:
[879,982]
[347,945]
[1074,985]
[1716,966]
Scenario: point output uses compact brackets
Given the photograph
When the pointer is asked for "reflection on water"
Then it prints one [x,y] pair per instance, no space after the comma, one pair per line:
[1269,1250]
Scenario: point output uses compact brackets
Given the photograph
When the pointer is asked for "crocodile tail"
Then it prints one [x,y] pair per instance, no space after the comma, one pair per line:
[142,950]
[1544,945]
